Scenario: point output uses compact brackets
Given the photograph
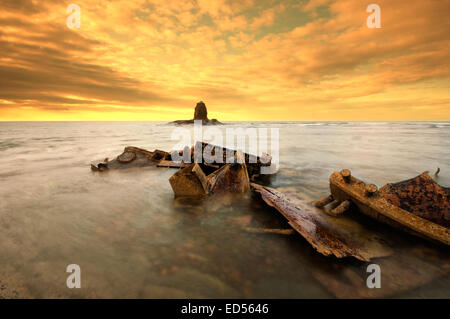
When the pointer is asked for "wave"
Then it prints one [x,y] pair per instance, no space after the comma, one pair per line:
[9,144]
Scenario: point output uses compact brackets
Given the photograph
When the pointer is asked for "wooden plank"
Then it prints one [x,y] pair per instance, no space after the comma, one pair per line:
[171,164]
[278,231]
[329,235]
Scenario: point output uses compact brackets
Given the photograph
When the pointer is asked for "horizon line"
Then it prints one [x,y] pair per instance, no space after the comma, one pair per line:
[262,121]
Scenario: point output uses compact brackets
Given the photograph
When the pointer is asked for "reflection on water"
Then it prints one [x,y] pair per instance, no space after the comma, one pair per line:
[132,240]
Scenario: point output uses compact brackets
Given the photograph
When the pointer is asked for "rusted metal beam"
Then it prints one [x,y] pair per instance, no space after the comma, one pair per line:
[341,208]
[323,202]
[417,205]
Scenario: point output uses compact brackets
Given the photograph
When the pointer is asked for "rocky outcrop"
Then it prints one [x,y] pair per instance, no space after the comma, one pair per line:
[200,114]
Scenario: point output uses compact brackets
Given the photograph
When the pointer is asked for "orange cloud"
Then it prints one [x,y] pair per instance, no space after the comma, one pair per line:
[248,60]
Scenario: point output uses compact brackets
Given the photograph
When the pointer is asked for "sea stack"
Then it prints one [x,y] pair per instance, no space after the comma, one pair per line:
[200,114]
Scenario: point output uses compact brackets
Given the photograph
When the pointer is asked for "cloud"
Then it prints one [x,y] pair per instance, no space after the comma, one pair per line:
[54,62]
[290,60]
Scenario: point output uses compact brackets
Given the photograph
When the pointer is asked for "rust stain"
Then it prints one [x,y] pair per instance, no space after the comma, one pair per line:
[421,196]
[402,205]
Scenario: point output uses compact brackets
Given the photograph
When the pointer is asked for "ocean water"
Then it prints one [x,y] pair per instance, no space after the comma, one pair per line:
[132,240]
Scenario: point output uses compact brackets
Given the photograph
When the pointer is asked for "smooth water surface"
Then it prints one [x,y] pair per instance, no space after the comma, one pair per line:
[132,240]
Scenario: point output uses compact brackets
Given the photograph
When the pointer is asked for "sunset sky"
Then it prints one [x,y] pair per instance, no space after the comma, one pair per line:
[247,60]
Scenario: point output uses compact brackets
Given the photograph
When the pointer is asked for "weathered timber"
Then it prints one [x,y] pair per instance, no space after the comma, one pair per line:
[172,164]
[416,205]
[278,231]
[340,237]
[142,151]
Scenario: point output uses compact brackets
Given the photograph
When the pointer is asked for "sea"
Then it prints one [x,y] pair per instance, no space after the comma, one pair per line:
[132,239]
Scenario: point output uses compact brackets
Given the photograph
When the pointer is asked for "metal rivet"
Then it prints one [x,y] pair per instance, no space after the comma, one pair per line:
[370,189]
[346,174]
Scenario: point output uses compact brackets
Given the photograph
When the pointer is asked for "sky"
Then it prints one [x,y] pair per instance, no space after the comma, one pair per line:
[258,60]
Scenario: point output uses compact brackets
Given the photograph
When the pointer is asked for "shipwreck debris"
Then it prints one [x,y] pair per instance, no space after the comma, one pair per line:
[215,154]
[132,157]
[419,205]
[172,164]
[188,181]
[126,157]
[421,196]
[437,172]
[323,202]
[204,168]
[231,178]
[206,155]
[288,231]
[193,181]
[340,209]
[328,235]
